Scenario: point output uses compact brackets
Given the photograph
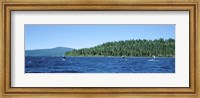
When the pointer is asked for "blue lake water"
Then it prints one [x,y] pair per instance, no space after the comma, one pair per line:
[98,65]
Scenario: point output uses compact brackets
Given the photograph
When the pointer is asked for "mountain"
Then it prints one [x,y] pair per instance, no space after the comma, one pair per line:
[137,48]
[57,51]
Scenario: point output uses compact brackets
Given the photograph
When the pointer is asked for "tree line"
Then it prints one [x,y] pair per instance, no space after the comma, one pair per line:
[137,48]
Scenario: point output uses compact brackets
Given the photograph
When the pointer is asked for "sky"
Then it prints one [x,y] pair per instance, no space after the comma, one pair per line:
[44,36]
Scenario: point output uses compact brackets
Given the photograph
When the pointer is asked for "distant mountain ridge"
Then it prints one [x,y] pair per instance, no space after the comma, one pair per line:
[57,51]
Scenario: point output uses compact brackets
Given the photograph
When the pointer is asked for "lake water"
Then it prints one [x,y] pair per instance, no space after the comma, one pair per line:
[98,65]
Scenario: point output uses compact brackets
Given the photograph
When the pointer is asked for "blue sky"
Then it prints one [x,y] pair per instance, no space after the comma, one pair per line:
[42,36]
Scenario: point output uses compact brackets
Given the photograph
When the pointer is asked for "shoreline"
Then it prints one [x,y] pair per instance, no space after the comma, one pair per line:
[120,56]
[105,56]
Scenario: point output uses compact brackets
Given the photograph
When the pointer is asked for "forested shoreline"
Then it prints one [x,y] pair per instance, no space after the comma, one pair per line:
[133,48]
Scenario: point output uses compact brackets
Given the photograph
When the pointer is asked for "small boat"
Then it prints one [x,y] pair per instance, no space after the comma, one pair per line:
[154,59]
[123,57]
[64,57]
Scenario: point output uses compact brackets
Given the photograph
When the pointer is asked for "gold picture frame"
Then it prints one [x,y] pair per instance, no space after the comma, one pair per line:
[119,5]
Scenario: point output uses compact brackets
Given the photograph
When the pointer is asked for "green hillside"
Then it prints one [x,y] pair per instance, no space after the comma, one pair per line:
[137,48]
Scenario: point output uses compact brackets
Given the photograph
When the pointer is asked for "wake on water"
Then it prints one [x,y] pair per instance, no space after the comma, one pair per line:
[152,60]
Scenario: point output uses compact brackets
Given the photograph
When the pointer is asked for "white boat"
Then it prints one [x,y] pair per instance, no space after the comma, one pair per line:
[64,57]
[154,59]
